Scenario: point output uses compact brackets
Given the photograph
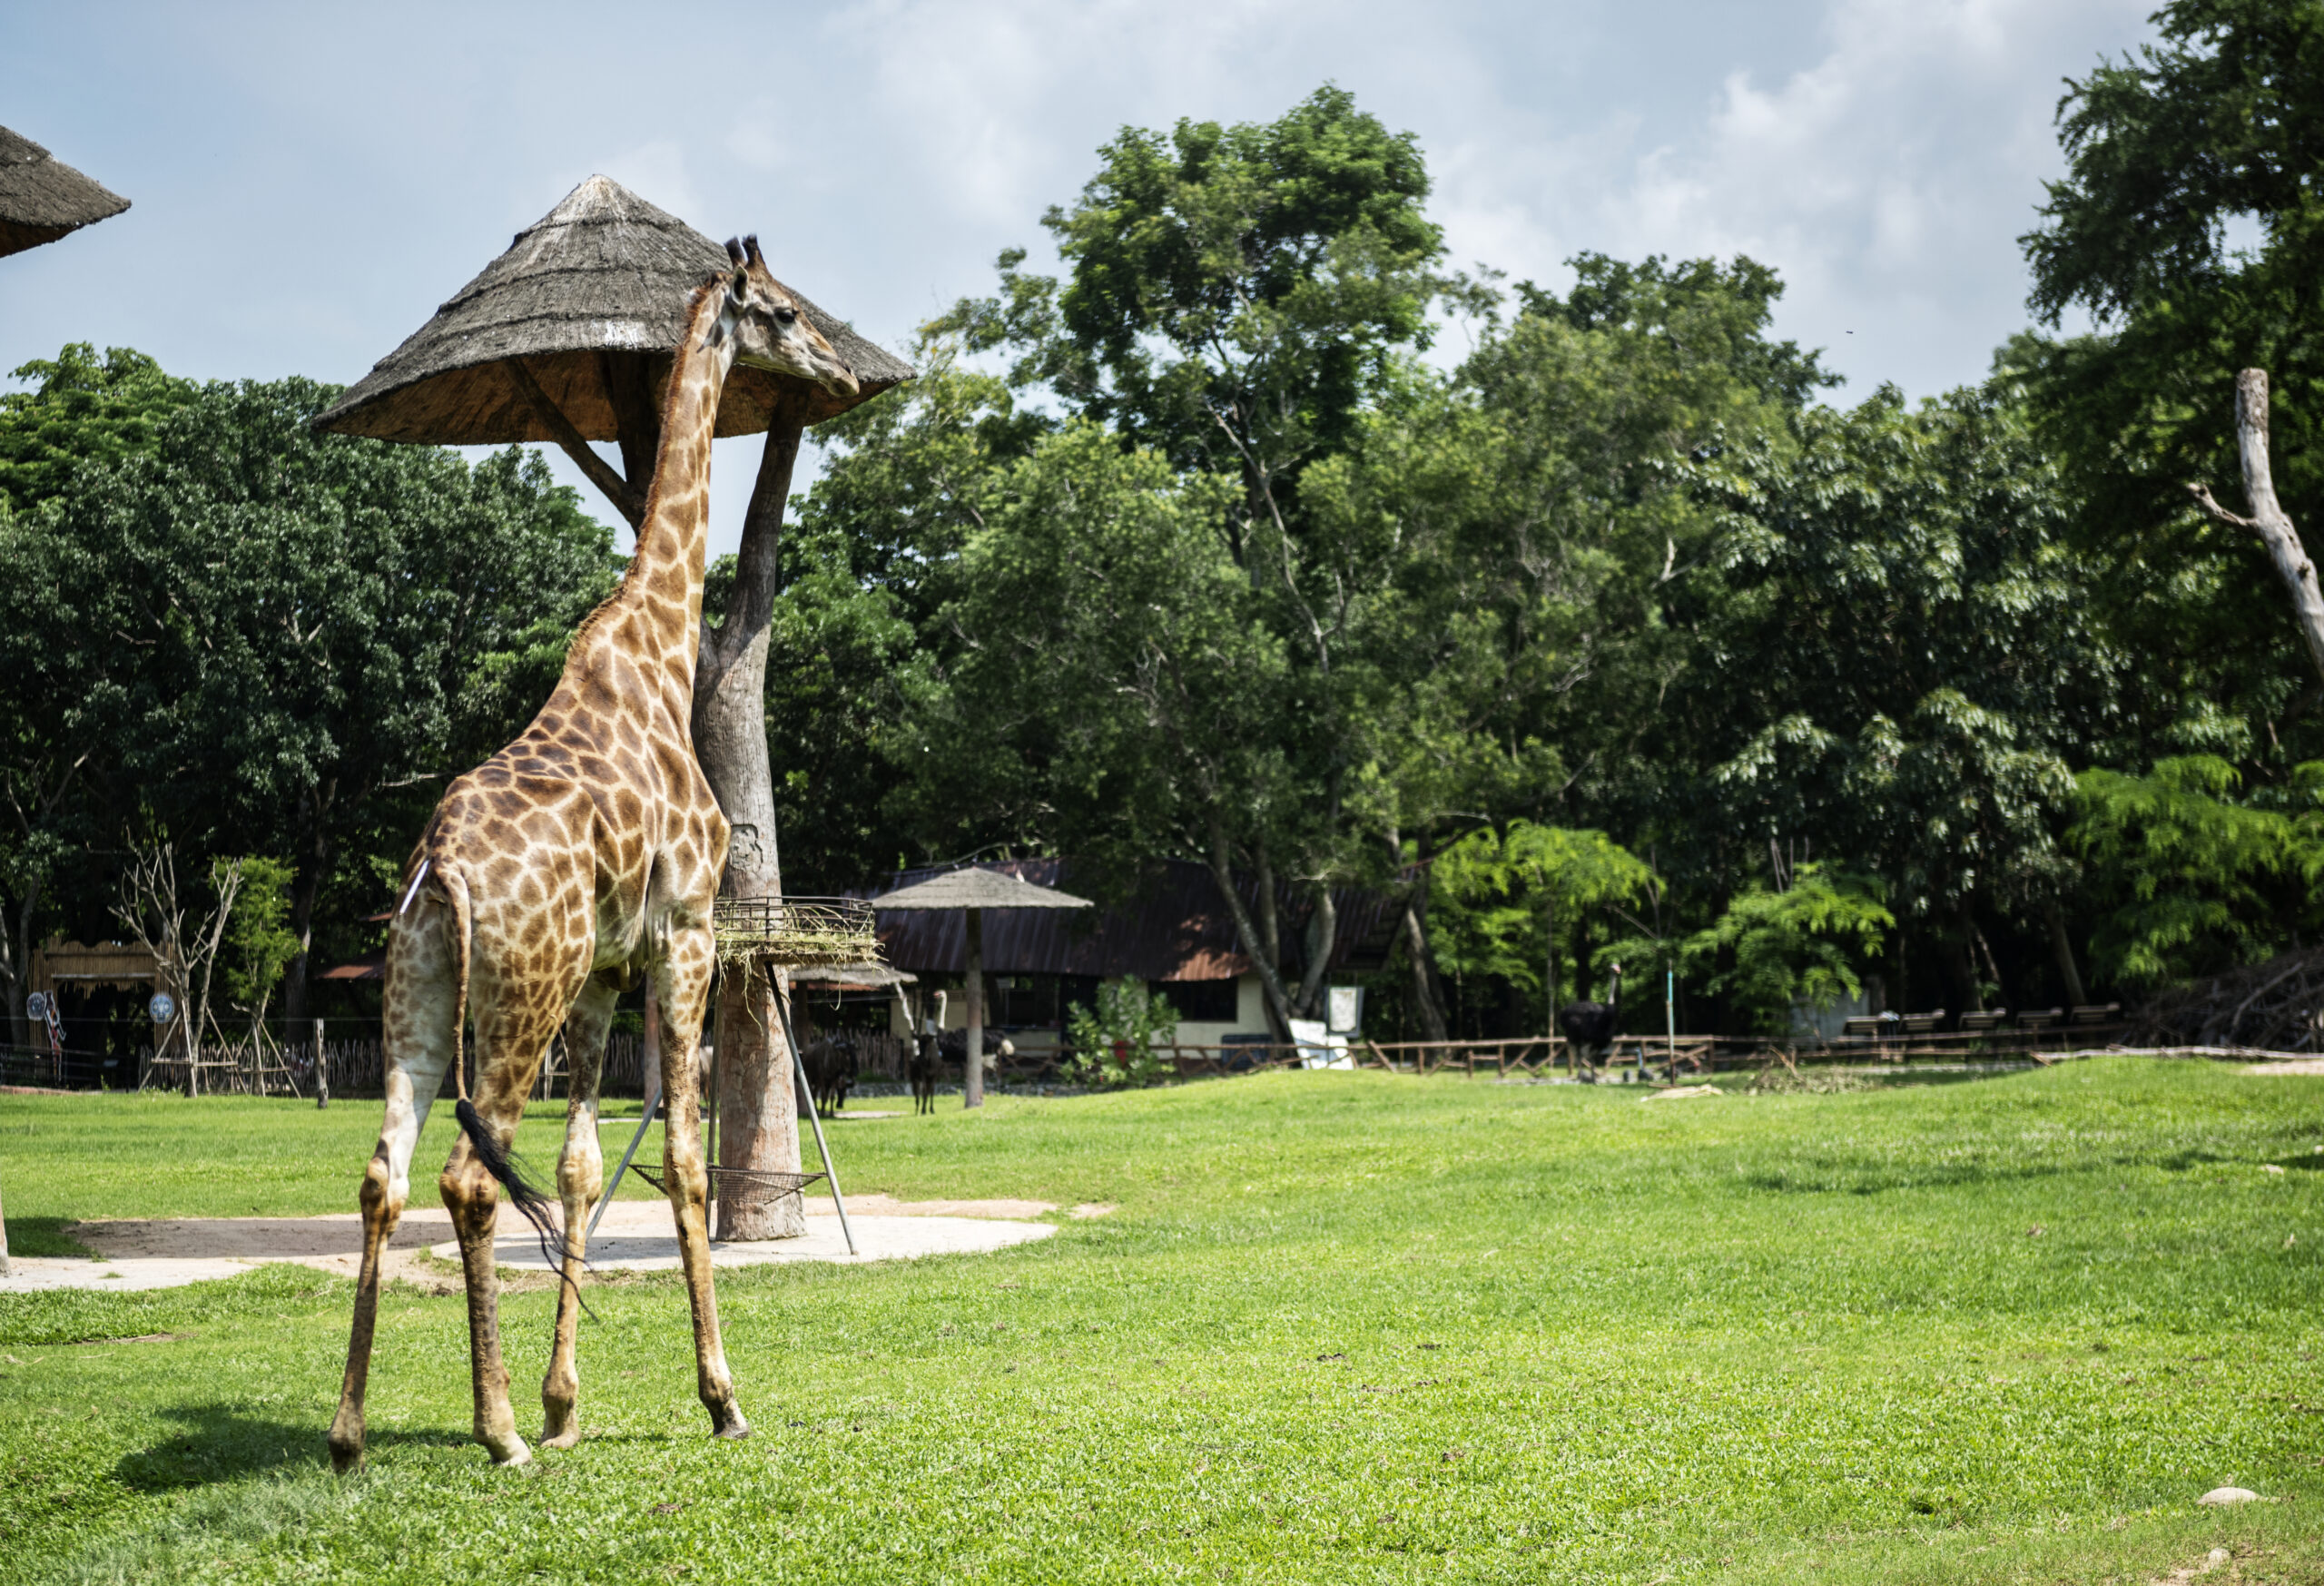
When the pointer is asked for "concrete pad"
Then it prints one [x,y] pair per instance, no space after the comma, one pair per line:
[1681,1092]
[35,1273]
[2291,1066]
[635,1236]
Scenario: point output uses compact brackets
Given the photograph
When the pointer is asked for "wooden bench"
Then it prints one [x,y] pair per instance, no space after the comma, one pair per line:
[1912,1024]
[2040,1018]
[2089,1013]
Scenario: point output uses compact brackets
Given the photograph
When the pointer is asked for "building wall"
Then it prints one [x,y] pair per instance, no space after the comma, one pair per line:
[1250,1019]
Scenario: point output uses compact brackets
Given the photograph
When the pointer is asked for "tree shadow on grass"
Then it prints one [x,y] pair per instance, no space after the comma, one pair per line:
[224,1442]
[44,1236]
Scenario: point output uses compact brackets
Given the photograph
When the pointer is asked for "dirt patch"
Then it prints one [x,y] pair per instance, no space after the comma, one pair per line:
[1681,1093]
[2291,1066]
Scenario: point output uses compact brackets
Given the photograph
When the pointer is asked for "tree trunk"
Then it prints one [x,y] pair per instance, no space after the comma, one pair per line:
[1322,935]
[1958,966]
[1278,999]
[304,887]
[20,980]
[1432,1010]
[2062,945]
[1270,935]
[758,1108]
[972,1066]
[2268,520]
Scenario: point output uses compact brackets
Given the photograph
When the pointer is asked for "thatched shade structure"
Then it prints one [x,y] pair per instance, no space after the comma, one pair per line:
[975,889]
[575,312]
[566,337]
[42,198]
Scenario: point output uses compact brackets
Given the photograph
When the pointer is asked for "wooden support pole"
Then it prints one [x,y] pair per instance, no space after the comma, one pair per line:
[972,1071]
[322,1079]
[625,497]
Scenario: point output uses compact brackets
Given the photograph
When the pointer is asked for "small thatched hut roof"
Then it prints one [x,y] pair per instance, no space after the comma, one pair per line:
[604,273]
[42,199]
[977,888]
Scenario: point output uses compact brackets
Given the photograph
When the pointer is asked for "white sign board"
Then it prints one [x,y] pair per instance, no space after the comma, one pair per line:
[1319,1047]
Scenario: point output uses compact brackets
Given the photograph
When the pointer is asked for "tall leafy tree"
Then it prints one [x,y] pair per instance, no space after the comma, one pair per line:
[1902,669]
[258,636]
[2187,224]
[1235,298]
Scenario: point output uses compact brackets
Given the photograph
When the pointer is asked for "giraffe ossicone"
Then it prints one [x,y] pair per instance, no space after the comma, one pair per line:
[584,855]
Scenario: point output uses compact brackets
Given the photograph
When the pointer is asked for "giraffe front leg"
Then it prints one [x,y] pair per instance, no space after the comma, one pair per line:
[580,1178]
[683,982]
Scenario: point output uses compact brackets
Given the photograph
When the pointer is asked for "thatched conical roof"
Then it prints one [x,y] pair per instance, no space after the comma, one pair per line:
[42,198]
[604,273]
[977,888]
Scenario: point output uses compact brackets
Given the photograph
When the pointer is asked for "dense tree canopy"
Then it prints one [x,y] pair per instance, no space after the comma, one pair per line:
[256,639]
[1614,639]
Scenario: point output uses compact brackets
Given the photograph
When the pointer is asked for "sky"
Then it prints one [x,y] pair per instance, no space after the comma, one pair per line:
[309,183]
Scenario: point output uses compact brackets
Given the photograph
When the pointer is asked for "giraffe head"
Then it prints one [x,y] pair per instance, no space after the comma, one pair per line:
[769,332]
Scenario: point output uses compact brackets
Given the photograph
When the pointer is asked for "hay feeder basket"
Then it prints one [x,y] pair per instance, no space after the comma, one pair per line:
[796,932]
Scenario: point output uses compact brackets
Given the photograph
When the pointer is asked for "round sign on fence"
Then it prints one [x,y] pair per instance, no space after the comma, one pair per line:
[162,1009]
[36,1006]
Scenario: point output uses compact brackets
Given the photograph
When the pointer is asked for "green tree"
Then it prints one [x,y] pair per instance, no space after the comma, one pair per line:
[2189,880]
[1114,1041]
[1236,297]
[81,408]
[259,636]
[1901,667]
[861,627]
[2187,224]
[1503,902]
[257,933]
[1774,949]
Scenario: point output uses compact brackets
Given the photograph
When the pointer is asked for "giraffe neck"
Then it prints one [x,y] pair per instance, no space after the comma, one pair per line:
[674,539]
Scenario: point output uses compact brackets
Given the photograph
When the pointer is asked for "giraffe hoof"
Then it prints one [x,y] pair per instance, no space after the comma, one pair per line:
[345,1460]
[566,1435]
[731,1426]
[513,1453]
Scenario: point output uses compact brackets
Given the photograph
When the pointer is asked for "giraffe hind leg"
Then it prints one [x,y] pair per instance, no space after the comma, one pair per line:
[682,981]
[580,1178]
[418,1025]
[510,1044]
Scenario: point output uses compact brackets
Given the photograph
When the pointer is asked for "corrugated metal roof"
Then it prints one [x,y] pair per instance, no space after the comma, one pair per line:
[1175,927]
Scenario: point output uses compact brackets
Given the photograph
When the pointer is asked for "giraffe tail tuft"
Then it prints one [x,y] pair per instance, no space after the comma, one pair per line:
[523,1194]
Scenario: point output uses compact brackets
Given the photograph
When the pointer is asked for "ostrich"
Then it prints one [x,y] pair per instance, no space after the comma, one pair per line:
[1590,1026]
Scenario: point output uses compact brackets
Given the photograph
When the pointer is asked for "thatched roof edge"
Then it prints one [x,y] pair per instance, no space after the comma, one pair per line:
[43,199]
[604,271]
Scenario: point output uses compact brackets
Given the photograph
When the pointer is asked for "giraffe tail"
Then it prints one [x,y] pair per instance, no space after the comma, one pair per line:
[525,1196]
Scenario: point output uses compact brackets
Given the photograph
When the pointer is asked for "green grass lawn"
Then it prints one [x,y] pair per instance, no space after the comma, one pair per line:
[1344,1327]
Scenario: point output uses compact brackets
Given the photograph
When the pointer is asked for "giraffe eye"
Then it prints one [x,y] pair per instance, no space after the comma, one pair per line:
[787,315]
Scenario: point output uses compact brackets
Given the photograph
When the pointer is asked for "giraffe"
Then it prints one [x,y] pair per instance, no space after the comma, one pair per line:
[582,856]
